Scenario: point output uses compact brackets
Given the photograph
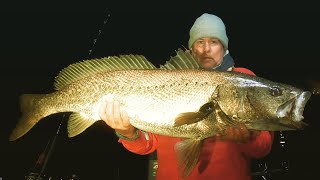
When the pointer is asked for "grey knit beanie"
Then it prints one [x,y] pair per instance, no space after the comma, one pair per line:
[208,25]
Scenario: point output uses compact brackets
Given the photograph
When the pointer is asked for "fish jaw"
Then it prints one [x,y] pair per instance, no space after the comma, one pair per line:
[294,108]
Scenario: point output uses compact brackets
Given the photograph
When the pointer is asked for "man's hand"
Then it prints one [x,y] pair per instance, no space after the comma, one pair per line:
[238,134]
[116,119]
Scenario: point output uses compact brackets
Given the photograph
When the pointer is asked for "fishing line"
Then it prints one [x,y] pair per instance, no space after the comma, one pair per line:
[99,33]
[48,152]
[63,118]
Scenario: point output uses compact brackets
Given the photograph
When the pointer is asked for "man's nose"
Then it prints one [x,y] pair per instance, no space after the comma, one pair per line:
[207,47]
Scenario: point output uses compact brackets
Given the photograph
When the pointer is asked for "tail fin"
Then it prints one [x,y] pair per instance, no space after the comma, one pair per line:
[30,115]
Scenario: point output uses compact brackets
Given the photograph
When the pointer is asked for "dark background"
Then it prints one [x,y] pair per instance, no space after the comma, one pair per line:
[278,41]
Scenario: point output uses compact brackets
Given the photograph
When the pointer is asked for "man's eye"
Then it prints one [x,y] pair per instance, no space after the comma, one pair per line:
[214,42]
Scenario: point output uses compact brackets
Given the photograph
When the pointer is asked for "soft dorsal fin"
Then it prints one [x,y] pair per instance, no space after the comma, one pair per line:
[89,67]
[183,60]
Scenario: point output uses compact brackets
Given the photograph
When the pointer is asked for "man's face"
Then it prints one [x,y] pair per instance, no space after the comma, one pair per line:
[208,52]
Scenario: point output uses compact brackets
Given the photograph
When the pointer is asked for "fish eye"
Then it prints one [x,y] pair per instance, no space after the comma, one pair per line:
[276,91]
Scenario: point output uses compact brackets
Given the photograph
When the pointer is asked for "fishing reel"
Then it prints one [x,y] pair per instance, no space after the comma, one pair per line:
[267,173]
[37,176]
[267,170]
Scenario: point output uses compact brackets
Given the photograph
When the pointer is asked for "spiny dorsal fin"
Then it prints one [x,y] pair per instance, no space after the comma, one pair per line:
[183,60]
[86,68]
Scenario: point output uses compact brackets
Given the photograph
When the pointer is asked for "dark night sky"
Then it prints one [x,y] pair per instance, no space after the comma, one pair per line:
[276,41]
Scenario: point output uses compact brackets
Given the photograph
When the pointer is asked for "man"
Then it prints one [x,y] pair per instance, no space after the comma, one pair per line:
[227,155]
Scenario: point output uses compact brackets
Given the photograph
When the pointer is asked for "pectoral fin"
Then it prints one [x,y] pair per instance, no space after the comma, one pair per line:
[77,124]
[193,117]
[188,152]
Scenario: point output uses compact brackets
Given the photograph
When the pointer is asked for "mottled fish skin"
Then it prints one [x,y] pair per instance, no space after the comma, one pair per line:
[153,98]
[176,100]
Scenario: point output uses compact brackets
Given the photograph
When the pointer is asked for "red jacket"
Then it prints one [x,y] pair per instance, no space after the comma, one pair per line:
[229,161]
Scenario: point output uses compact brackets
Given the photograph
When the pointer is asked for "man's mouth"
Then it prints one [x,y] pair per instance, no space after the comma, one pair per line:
[206,59]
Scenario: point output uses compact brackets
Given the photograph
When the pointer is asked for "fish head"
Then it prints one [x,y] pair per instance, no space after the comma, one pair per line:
[263,104]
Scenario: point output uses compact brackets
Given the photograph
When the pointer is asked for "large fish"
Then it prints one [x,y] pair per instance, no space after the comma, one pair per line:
[178,99]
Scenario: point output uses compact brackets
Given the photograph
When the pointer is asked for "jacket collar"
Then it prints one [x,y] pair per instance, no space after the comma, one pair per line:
[226,64]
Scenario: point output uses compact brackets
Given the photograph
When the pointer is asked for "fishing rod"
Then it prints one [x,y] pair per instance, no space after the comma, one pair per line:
[44,157]
[51,148]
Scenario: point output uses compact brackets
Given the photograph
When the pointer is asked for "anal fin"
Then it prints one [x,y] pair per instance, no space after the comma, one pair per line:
[77,124]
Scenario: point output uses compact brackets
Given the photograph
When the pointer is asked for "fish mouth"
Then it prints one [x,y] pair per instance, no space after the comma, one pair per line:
[293,109]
